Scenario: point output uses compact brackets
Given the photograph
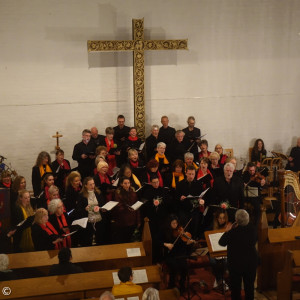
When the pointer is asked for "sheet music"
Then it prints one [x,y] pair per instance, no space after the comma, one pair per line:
[203,193]
[133,298]
[131,252]
[142,146]
[110,205]
[137,205]
[139,276]
[21,223]
[67,234]
[214,240]
[81,222]
[116,182]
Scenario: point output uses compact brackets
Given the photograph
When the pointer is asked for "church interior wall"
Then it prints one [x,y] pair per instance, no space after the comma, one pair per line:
[239,77]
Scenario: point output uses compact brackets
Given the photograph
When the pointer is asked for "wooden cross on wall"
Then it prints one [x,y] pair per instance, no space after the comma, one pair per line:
[138,45]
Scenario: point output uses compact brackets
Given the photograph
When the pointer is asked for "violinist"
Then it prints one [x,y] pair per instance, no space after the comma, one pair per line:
[176,249]
[253,178]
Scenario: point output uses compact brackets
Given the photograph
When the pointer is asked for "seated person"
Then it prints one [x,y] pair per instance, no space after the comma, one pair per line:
[65,266]
[151,294]
[5,273]
[107,296]
[258,152]
[215,168]
[203,147]
[223,157]
[294,158]
[126,285]
[189,161]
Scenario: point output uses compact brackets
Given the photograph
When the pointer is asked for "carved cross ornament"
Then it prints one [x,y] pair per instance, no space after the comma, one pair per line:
[138,45]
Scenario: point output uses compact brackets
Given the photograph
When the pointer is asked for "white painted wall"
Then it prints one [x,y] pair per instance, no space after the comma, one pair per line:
[239,77]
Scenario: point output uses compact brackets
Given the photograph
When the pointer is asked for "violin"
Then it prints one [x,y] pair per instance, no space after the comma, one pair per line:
[184,235]
[257,177]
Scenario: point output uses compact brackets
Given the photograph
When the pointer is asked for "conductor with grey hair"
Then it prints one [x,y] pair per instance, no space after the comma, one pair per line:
[107,296]
[151,294]
[229,188]
[240,239]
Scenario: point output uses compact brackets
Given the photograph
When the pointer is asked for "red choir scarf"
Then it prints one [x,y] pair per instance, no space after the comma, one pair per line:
[7,184]
[161,183]
[200,174]
[133,139]
[67,240]
[134,164]
[64,165]
[109,144]
[103,179]
[50,230]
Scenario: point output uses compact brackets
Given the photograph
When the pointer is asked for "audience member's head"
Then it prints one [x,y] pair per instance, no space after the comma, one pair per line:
[151,294]
[107,296]
[64,255]
[4,262]
[125,274]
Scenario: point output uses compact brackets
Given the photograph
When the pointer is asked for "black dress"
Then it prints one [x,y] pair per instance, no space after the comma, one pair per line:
[41,239]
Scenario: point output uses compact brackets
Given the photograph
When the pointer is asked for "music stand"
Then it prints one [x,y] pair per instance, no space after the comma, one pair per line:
[216,250]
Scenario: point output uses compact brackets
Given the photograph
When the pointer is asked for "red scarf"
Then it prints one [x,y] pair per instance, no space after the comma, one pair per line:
[67,240]
[47,194]
[109,145]
[134,164]
[133,138]
[51,230]
[200,174]
[223,159]
[64,165]
[103,179]
[161,183]
[7,184]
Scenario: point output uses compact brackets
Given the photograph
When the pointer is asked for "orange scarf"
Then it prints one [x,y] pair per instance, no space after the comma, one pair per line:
[180,177]
[158,157]
[42,170]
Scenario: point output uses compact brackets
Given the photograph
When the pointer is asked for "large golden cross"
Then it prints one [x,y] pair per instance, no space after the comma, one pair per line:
[138,45]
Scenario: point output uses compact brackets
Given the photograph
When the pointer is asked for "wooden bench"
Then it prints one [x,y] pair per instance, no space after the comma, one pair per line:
[73,286]
[95,258]
[289,279]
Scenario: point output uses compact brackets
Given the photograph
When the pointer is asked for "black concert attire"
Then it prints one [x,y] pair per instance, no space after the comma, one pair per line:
[60,172]
[22,240]
[37,175]
[98,140]
[85,166]
[147,175]
[131,143]
[258,156]
[222,160]
[294,165]
[242,259]
[156,207]
[164,164]
[103,183]
[189,208]
[251,203]
[121,134]
[64,269]
[138,168]
[178,150]
[232,192]
[216,172]
[191,136]
[167,135]
[176,259]
[72,196]
[97,222]
[151,144]
[124,219]
[43,237]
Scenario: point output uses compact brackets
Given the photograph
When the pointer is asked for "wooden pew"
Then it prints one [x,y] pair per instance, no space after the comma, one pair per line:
[285,278]
[73,286]
[95,258]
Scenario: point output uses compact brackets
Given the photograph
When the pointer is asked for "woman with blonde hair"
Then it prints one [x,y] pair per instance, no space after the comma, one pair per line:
[44,235]
[214,167]
[23,211]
